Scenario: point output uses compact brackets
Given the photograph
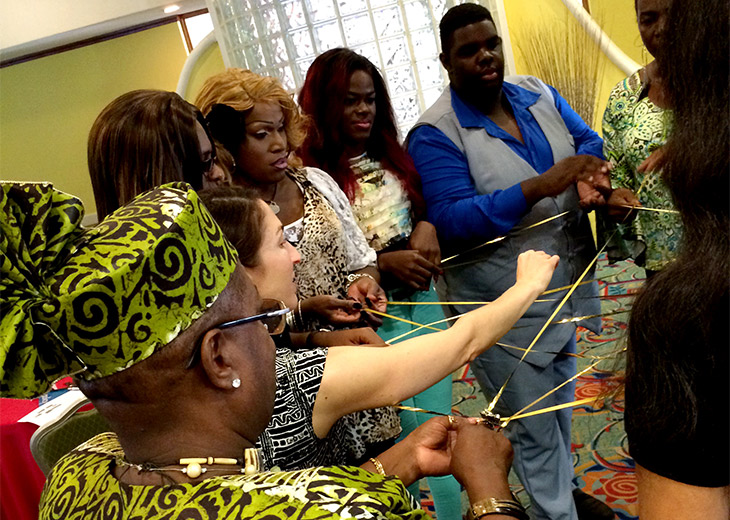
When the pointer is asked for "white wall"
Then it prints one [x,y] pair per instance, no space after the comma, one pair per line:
[28,26]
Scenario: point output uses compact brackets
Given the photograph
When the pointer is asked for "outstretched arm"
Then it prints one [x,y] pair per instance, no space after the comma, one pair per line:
[359,378]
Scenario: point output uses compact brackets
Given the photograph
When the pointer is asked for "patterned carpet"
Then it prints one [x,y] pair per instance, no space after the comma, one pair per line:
[602,465]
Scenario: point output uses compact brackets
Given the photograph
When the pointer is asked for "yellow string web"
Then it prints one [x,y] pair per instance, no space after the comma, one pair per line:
[570,290]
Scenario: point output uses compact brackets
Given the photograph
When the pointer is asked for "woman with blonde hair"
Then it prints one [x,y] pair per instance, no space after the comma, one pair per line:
[259,123]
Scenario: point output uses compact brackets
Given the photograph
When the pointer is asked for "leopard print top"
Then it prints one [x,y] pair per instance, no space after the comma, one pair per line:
[323,268]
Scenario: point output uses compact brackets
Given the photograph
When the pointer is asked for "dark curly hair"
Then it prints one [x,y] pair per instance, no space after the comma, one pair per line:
[457,17]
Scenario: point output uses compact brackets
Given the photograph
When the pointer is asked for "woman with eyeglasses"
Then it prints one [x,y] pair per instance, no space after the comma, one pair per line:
[182,439]
[146,138]
[318,387]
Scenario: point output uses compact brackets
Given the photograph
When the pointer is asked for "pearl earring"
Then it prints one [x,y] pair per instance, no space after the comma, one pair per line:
[236,383]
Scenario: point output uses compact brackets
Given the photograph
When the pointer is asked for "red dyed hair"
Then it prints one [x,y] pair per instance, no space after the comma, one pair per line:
[322,98]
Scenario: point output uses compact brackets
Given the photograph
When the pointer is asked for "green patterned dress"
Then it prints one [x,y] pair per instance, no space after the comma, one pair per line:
[81,486]
[633,127]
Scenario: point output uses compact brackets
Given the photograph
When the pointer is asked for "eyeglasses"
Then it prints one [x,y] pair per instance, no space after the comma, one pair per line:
[209,162]
[272,315]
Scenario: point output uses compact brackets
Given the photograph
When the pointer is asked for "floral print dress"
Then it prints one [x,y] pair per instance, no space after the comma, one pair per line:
[633,127]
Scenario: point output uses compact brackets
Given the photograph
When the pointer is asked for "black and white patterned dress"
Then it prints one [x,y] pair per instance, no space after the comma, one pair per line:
[289,441]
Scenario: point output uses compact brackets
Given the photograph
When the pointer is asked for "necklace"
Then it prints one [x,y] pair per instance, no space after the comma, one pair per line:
[193,467]
[272,204]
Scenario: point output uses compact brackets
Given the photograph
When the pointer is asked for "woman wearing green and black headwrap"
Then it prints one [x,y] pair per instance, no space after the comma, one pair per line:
[165,333]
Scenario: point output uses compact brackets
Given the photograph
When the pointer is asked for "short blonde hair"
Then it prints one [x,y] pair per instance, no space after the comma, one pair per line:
[241,89]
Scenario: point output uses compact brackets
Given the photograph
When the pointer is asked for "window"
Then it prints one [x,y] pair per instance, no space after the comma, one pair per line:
[198,27]
[281,38]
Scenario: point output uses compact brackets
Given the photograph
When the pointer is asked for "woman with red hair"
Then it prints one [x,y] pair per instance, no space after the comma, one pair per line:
[353,137]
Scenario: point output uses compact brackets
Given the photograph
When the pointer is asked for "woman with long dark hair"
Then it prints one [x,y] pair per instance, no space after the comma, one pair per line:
[353,136]
[677,393]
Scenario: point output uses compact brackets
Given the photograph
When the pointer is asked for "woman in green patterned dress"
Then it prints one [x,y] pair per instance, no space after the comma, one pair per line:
[635,126]
[167,336]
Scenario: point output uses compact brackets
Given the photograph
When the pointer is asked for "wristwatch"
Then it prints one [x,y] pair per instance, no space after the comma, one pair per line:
[492,506]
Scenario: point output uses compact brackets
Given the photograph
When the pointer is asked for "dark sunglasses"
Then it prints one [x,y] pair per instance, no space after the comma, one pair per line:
[273,316]
[209,162]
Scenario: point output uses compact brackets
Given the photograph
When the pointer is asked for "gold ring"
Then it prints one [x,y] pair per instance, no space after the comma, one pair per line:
[451,420]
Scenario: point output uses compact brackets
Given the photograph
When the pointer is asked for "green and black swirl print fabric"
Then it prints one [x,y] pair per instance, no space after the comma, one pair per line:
[95,301]
[81,486]
[38,229]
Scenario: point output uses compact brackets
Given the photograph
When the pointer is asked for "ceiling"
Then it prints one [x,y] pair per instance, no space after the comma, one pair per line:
[33,26]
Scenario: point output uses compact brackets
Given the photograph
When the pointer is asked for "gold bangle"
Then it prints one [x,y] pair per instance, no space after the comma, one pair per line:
[492,506]
[378,466]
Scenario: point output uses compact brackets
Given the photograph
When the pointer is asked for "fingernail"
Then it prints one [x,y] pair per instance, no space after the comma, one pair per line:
[357,305]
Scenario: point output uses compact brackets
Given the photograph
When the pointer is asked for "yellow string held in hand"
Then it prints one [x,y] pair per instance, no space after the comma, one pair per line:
[590,265]
[504,422]
[560,306]
[545,221]
[570,289]
[526,351]
[499,239]
[386,315]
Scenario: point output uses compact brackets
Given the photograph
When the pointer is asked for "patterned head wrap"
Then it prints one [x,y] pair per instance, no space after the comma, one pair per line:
[96,301]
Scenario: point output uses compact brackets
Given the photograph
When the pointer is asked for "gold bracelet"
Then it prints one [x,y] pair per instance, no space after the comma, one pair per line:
[379,466]
[492,506]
